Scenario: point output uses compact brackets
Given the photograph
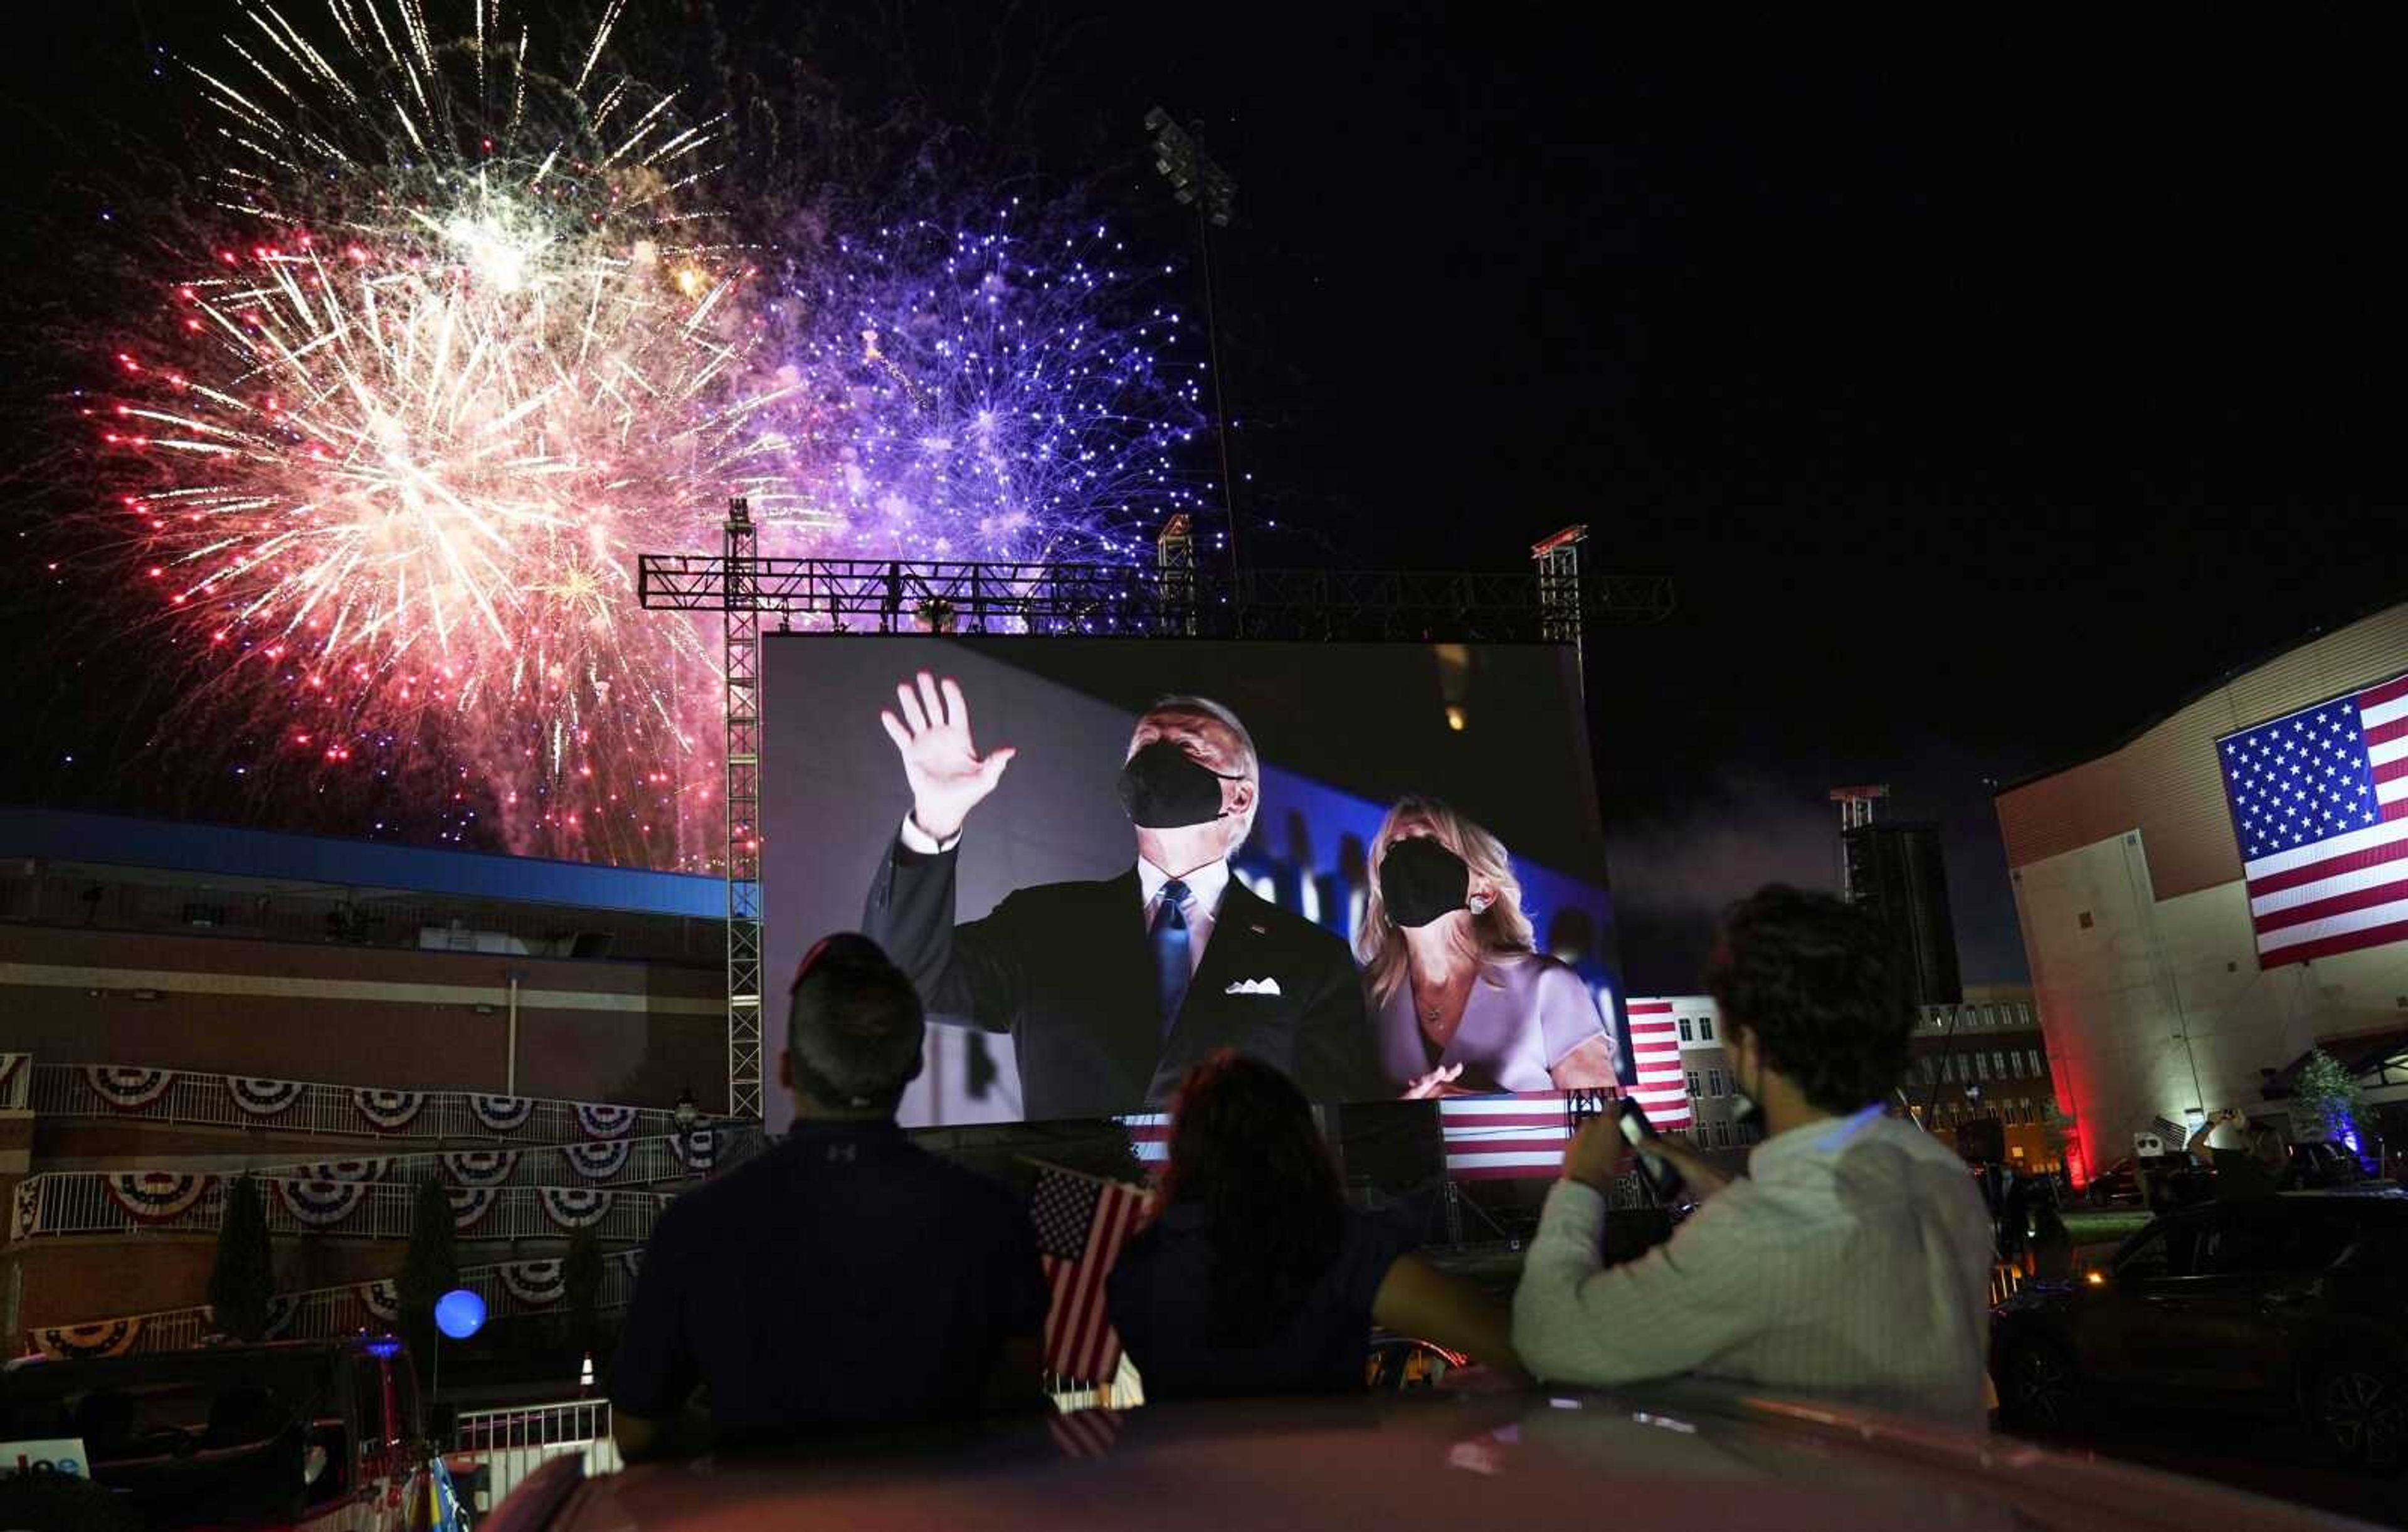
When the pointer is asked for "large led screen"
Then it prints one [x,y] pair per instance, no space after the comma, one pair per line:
[1031,910]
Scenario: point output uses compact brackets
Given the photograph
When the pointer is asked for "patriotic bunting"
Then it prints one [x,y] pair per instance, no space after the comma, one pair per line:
[501,1113]
[103,1338]
[601,1122]
[321,1204]
[388,1112]
[264,1098]
[470,1204]
[342,1170]
[574,1206]
[698,1151]
[128,1090]
[538,1284]
[598,1161]
[382,1298]
[156,1196]
[480,1166]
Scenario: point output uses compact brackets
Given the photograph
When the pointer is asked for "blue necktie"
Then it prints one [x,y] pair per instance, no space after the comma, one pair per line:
[1169,939]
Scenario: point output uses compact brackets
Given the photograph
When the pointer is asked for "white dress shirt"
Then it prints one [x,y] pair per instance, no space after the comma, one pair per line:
[1205,887]
[1853,1260]
[1203,906]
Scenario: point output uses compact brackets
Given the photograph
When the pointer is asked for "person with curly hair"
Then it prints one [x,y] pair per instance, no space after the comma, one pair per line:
[1852,1259]
[1255,1276]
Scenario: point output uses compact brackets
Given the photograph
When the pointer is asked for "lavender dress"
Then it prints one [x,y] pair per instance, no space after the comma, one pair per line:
[1525,1013]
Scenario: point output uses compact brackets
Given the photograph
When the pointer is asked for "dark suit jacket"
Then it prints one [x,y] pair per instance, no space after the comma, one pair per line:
[1067,970]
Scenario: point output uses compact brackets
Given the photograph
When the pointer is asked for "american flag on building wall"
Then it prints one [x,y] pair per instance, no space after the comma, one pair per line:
[1662,1091]
[1081,1222]
[2319,802]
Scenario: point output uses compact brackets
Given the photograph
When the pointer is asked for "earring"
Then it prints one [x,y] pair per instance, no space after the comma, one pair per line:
[1480,902]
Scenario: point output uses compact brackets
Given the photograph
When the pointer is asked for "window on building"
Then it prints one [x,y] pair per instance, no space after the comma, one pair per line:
[1692,1084]
[1722,1135]
[2039,1069]
[1705,1029]
[1998,1065]
[1713,1082]
[1684,1030]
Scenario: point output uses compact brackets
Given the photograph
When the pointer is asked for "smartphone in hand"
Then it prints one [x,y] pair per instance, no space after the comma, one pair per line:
[1653,1168]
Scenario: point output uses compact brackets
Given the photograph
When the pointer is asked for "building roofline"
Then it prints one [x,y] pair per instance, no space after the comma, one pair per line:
[227,851]
[2257,662]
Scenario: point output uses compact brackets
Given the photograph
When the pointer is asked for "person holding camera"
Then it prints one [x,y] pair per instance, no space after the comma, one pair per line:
[1852,1259]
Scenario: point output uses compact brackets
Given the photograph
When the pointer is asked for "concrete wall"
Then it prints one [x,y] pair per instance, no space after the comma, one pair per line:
[2154,1006]
[600,1031]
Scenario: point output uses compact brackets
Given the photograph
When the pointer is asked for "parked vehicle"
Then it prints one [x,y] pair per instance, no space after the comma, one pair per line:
[2277,1306]
[315,1434]
[1662,1457]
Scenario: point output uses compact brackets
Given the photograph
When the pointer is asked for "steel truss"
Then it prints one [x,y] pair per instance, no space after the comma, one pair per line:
[1526,606]
[1556,600]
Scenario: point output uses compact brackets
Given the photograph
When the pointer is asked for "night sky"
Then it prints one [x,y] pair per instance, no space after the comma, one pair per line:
[1985,396]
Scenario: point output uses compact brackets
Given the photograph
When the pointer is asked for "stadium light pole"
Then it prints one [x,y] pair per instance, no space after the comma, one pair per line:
[1198,181]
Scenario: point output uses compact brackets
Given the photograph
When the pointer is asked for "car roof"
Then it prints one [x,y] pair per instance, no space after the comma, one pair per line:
[1667,1458]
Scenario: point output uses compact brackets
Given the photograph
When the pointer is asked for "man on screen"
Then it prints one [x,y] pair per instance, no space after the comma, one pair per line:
[1111,989]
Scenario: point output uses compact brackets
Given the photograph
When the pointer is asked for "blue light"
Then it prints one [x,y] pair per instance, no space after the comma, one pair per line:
[459,1313]
[384,1346]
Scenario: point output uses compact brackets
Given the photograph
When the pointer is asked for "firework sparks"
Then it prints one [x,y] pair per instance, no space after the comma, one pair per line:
[996,392]
[460,334]
[416,421]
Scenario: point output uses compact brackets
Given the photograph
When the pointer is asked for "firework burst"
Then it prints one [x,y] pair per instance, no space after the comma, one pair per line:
[466,343]
[1006,388]
[457,333]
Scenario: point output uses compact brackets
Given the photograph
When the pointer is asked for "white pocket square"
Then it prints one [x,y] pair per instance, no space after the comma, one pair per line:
[1253,986]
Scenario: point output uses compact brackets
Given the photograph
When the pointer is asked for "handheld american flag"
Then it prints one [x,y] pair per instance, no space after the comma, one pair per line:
[1081,1222]
[2319,802]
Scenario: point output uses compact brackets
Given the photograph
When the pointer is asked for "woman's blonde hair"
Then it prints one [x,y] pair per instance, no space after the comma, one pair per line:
[1380,945]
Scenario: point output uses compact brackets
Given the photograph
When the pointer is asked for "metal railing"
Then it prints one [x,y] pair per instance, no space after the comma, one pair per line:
[74,1202]
[208,1100]
[324,1314]
[493,1451]
[16,1081]
[648,1162]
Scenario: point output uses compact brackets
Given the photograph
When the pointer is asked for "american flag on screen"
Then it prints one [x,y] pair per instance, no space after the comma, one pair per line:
[1149,1134]
[1662,1091]
[1504,1137]
[1081,1222]
[2319,802]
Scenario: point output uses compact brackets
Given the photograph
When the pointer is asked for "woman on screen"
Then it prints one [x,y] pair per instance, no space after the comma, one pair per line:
[1458,998]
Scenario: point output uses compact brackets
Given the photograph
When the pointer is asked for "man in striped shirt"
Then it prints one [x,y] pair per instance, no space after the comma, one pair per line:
[1853,1258]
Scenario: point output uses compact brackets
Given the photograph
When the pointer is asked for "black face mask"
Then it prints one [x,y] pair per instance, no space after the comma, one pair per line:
[1164,788]
[1421,880]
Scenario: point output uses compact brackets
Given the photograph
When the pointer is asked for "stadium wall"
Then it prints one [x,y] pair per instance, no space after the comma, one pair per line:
[2128,885]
